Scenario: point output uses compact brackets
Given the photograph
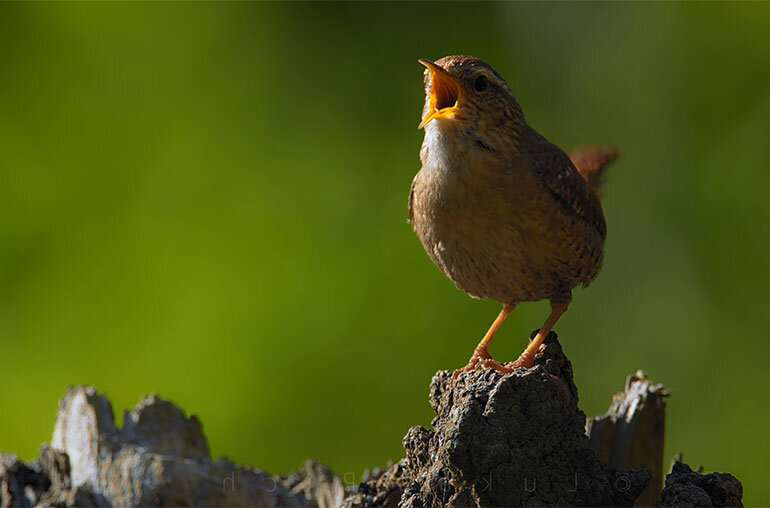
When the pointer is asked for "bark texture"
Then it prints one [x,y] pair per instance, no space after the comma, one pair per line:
[511,440]
[685,487]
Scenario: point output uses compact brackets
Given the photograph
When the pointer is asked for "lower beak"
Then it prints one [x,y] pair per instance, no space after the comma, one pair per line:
[445,94]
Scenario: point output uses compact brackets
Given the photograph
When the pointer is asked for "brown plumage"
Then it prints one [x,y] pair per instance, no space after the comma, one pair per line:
[501,211]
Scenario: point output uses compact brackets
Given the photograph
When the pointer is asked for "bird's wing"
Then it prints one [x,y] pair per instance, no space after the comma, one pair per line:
[557,172]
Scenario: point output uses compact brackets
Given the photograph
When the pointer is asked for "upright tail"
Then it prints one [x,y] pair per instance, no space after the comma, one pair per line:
[591,161]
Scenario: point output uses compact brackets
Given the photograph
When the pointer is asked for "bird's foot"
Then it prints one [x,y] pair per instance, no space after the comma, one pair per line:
[482,358]
[525,360]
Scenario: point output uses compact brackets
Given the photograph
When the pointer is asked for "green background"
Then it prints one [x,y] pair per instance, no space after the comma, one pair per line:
[208,201]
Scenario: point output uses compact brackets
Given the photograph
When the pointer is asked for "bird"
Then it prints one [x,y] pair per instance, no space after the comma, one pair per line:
[503,212]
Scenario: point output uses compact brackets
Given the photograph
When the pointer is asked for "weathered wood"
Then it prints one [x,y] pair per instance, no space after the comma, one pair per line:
[685,487]
[496,440]
[630,434]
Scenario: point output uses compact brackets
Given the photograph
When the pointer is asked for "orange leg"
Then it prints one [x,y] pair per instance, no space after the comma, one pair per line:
[481,354]
[558,307]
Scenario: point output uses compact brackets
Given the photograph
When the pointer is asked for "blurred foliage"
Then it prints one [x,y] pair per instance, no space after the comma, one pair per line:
[208,200]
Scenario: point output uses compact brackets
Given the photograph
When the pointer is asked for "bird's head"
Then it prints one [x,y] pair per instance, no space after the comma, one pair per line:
[464,94]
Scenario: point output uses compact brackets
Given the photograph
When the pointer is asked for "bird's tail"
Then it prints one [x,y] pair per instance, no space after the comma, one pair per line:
[591,161]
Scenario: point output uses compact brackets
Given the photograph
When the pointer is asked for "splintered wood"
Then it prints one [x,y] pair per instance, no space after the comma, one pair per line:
[630,434]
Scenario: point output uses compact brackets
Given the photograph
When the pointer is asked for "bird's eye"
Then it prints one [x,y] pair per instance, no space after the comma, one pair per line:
[481,83]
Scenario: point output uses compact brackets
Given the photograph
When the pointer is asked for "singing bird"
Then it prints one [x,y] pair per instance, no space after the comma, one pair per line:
[504,213]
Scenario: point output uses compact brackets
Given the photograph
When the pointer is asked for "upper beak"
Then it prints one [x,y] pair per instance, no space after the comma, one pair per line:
[445,93]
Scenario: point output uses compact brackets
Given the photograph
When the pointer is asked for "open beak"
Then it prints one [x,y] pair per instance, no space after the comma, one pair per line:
[445,94]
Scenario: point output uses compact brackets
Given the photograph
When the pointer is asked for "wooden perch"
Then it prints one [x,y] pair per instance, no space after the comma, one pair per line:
[496,440]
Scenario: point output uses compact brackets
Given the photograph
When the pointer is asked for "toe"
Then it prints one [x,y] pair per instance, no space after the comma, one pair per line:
[497,366]
[523,361]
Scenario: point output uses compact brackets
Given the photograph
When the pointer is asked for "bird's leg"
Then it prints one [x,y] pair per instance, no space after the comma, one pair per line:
[558,307]
[481,353]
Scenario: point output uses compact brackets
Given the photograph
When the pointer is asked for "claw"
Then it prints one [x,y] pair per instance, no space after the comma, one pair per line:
[482,358]
[524,361]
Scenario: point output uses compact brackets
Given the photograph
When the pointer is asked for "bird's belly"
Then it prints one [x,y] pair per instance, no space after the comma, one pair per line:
[492,248]
[485,263]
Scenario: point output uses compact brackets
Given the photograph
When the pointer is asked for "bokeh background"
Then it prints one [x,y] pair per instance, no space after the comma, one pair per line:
[208,201]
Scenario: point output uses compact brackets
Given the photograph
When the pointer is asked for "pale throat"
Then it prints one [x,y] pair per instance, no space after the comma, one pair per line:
[445,149]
